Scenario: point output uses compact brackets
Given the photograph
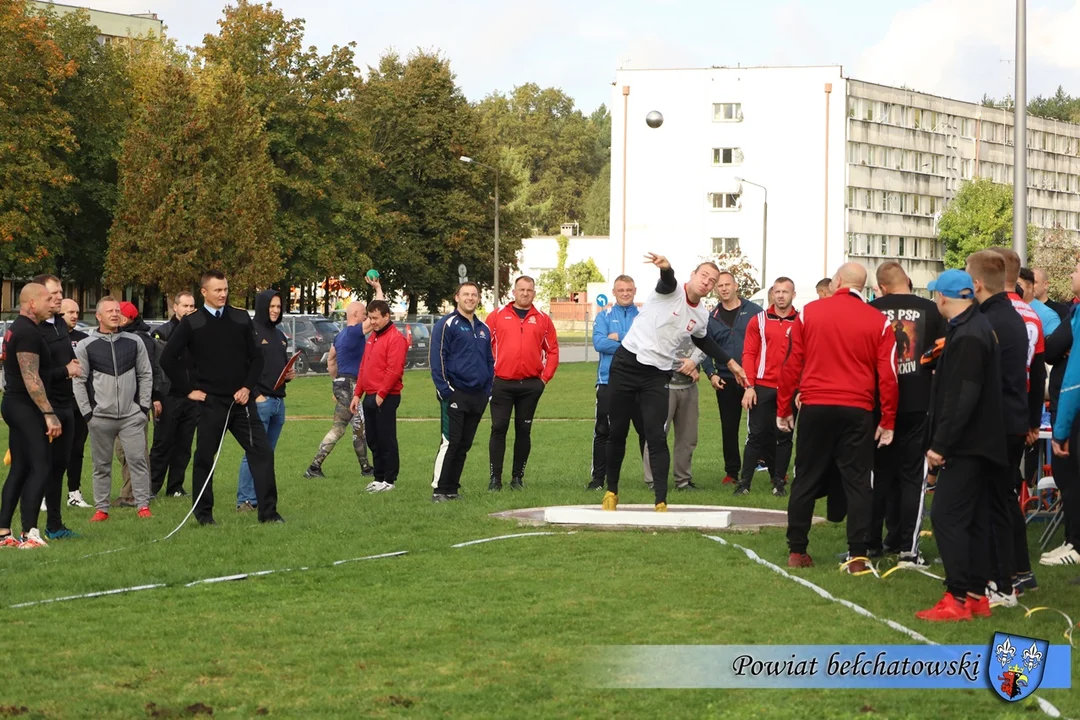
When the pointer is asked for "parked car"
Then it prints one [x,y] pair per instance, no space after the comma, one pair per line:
[419,339]
[312,336]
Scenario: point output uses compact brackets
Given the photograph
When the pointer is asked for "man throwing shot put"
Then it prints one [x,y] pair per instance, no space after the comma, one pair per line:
[642,369]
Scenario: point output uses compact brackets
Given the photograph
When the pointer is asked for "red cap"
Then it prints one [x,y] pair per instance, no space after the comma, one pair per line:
[128,310]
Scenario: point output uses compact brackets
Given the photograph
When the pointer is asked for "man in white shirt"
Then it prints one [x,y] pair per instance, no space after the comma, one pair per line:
[642,367]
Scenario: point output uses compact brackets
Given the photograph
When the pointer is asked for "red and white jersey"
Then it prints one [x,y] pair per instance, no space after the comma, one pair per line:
[1033,325]
[769,341]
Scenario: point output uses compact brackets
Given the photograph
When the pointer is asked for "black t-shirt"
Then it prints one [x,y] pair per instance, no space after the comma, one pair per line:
[917,325]
[521,313]
[23,336]
[728,316]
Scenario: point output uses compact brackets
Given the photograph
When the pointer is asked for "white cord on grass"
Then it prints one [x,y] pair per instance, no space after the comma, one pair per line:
[206,482]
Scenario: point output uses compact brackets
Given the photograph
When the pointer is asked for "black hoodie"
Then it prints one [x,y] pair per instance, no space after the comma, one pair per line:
[273,344]
[139,328]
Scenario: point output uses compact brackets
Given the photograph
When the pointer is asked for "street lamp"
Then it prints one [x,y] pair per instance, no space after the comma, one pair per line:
[764,230]
[495,281]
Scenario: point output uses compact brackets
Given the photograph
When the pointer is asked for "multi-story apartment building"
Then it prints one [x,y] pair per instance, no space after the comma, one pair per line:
[112,26]
[851,170]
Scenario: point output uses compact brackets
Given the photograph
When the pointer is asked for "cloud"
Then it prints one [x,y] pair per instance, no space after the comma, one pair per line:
[963,48]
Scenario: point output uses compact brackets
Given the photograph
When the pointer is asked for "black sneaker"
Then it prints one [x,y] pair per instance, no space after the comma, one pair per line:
[741,490]
[368,471]
[517,483]
[314,472]
[779,491]
[443,497]
[495,485]
[277,520]
[1026,582]
[179,494]
[688,486]
[595,485]
[207,521]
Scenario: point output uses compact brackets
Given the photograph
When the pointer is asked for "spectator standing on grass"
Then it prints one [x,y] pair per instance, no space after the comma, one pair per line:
[69,309]
[225,368]
[727,327]
[132,323]
[771,337]
[113,393]
[379,382]
[823,288]
[641,369]
[967,446]
[463,369]
[174,427]
[609,328]
[526,350]
[848,361]
[343,365]
[1051,314]
[30,417]
[269,399]
[899,467]
[64,366]
[1066,445]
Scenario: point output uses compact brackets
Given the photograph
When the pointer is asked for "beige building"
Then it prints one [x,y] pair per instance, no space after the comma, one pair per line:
[907,154]
[113,26]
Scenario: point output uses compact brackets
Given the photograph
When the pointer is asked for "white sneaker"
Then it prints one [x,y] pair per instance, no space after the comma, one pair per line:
[32,540]
[75,499]
[1064,555]
[380,486]
[907,559]
[998,599]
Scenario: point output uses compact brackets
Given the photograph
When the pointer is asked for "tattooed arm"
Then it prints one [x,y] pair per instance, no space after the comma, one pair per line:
[35,387]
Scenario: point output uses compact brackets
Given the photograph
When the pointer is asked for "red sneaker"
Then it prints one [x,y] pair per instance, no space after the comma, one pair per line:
[728,480]
[978,607]
[799,560]
[948,609]
[144,512]
[100,516]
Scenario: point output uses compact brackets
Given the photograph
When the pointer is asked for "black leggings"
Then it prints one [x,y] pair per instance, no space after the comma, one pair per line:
[520,397]
[30,460]
[60,455]
[636,387]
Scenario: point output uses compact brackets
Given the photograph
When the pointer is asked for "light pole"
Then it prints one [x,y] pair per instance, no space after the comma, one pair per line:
[495,280]
[1020,215]
[764,230]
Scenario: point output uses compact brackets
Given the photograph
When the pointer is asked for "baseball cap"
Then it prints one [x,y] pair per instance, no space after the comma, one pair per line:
[128,310]
[955,284]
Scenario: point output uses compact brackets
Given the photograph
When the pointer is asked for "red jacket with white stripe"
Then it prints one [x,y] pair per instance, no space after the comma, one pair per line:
[848,351]
[523,348]
[768,343]
[383,364]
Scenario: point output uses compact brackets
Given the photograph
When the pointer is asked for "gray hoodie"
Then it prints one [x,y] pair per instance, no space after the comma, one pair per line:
[117,376]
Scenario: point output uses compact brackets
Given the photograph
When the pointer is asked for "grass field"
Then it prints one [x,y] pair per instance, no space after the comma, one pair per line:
[492,630]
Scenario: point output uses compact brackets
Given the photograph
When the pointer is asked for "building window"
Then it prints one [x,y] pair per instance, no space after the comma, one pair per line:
[967,128]
[724,201]
[725,246]
[727,156]
[727,112]
[884,244]
[900,247]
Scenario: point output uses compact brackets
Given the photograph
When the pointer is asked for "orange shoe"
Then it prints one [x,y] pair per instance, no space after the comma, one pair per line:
[728,480]
[799,560]
[948,609]
[144,512]
[100,516]
[978,607]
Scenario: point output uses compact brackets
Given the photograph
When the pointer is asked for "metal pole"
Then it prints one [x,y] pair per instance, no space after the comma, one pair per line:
[1020,212]
[825,263]
[495,283]
[625,110]
[765,242]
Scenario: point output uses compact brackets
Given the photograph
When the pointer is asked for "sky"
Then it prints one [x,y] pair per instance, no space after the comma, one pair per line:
[956,48]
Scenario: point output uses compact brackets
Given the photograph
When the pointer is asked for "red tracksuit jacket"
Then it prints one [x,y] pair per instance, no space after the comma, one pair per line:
[848,352]
[383,363]
[523,348]
[770,340]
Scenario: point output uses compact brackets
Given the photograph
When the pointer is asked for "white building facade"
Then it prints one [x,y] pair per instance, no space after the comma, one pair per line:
[852,170]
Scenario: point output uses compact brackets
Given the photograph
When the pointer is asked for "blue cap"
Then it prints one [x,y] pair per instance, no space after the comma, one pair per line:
[955,284]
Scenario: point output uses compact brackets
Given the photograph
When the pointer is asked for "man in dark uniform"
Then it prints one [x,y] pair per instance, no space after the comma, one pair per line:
[174,427]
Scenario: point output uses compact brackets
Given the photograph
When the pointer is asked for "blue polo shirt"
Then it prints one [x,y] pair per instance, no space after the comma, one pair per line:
[349,345]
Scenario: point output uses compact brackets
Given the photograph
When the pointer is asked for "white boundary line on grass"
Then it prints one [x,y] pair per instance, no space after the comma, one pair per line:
[507,537]
[100,593]
[1044,705]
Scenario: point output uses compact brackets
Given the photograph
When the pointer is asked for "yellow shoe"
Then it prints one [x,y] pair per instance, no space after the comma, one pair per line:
[611,501]
[661,507]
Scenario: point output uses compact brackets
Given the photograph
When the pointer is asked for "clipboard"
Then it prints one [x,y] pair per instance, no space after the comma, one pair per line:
[288,366]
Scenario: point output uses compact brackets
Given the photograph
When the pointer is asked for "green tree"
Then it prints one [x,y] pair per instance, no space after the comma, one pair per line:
[1056,252]
[745,273]
[98,99]
[327,221]
[980,216]
[597,208]
[35,136]
[195,186]
[554,284]
[421,125]
[580,274]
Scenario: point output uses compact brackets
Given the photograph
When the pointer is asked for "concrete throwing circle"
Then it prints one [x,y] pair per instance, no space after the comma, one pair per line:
[702,517]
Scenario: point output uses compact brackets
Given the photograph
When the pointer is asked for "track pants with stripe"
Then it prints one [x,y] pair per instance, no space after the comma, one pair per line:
[460,414]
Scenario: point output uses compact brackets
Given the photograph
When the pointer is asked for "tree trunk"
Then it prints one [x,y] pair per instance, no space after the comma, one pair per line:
[326,299]
[414,302]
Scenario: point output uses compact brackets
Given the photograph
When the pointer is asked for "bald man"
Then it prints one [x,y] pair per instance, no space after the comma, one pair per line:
[32,422]
[70,311]
[848,354]
[344,365]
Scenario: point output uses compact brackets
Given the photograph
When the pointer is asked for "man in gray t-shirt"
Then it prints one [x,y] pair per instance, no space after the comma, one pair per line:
[682,414]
